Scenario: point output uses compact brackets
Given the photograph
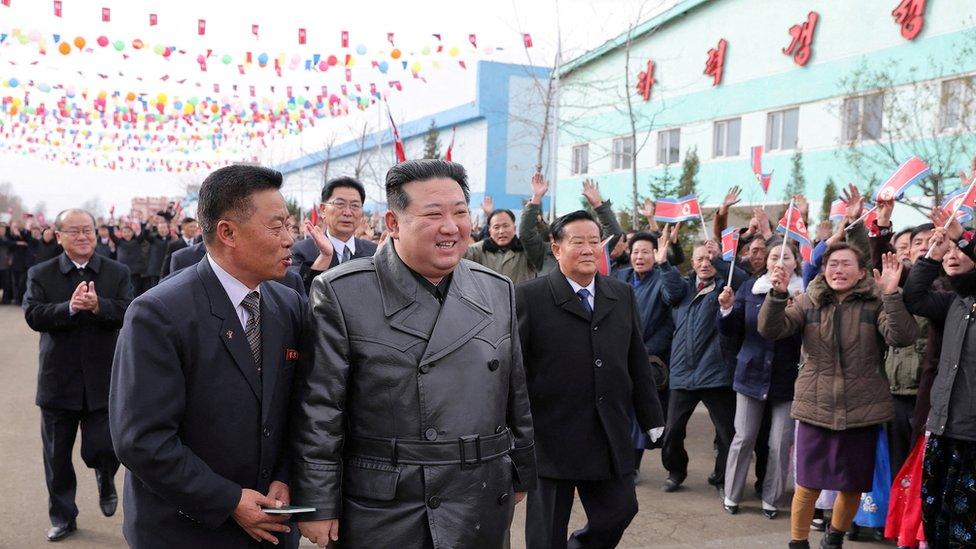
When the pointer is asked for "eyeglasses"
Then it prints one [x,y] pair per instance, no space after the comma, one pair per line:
[342,205]
[73,233]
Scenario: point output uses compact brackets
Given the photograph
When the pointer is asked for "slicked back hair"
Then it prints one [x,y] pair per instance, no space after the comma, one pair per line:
[59,219]
[559,226]
[226,193]
[421,170]
[344,181]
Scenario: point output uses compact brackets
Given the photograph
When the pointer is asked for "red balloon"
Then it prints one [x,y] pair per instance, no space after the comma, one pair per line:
[333,60]
[102,41]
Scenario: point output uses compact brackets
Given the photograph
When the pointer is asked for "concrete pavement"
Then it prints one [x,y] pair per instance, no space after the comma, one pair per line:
[689,519]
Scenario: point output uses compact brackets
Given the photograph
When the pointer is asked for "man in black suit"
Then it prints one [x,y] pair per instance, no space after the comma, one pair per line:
[342,212]
[202,379]
[188,257]
[159,239]
[189,229]
[77,301]
[588,373]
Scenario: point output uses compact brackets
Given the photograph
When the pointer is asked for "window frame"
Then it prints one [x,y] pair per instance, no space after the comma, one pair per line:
[575,164]
[621,160]
[966,117]
[776,126]
[723,127]
[853,131]
[664,148]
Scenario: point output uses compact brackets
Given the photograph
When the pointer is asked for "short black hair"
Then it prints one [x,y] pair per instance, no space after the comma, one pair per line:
[421,170]
[559,226]
[187,220]
[228,191]
[646,237]
[922,228]
[509,213]
[909,231]
[344,181]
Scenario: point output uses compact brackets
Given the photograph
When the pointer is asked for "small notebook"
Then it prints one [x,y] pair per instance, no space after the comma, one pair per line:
[287,510]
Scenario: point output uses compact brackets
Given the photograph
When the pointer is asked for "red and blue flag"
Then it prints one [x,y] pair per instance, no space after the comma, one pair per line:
[673,210]
[730,243]
[792,226]
[909,173]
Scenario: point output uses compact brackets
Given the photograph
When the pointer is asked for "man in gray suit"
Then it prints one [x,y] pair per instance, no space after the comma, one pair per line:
[412,426]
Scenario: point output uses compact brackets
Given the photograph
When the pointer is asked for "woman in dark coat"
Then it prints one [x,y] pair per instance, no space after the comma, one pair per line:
[763,381]
[949,468]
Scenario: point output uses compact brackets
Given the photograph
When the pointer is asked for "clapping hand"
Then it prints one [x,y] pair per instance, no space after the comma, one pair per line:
[84,298]
[887,280]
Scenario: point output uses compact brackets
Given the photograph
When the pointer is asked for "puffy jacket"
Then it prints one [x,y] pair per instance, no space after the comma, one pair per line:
[698,358]
[903,365]
[764,369]
[954,387]
[841,384]
[515,264]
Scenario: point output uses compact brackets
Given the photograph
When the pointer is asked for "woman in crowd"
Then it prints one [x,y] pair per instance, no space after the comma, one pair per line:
[948,493]
[841,396]
[765,372]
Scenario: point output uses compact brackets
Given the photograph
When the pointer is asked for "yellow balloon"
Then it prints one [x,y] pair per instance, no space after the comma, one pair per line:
[415,67]
[161,98]
[187,109]
[454,51]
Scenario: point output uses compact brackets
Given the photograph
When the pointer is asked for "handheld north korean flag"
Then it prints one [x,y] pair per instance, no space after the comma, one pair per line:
[792,225]
[730,243]
[909,173]
[838,209]
[673,210]
[603,257]
[764,179]
[961,201]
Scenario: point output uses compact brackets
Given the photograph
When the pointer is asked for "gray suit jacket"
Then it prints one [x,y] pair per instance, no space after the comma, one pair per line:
[388,361]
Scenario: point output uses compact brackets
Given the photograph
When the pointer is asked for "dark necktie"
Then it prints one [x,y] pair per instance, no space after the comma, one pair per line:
[252,304]
[346,254]
[584,296]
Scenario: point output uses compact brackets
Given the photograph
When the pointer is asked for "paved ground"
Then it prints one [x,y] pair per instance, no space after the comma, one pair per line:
[692,518]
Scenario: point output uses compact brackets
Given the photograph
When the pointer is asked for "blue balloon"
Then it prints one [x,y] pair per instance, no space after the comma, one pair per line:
[361,49]
[178,105]
[263,59]
[13,82]
[384,66]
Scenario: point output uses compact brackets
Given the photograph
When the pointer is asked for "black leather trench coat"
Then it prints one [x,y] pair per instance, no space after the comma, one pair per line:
[388,361]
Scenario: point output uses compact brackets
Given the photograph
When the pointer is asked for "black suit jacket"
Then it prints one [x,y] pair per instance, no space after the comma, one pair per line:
[587,377]
[192,255]
[305,252]
[191,418]
[174,246]
[76,350]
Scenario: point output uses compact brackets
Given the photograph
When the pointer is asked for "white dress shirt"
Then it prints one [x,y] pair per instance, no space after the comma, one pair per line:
[339,245]
[591,287]
[236,290]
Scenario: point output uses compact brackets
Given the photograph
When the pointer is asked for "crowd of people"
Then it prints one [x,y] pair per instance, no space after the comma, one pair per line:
[839,377]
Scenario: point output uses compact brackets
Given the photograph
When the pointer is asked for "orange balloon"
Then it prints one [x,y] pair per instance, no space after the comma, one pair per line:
[214,108]
[395,53]
[137,44]
[64,48]
[79,42]
[130,96]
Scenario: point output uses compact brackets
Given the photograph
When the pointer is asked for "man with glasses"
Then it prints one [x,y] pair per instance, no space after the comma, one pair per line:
[76,301]
[341,211]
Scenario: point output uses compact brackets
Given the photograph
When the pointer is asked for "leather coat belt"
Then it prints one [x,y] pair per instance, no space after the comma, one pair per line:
[466,451]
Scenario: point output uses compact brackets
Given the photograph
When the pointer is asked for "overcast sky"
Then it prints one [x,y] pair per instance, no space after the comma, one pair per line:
[499,26]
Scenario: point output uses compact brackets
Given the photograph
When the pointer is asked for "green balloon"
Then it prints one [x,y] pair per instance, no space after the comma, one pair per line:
[226,59]
[118,45]
[426,50]
[193,101]
[158,49]
[22,39]
[31,110]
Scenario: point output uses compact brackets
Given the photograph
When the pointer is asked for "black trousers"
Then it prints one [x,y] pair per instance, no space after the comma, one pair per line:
[610,505]
[18,285]
[58,431]
[5,287]
[900,430]
[720,403]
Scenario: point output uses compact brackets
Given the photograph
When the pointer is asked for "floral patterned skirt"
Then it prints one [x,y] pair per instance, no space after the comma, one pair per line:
[949,492]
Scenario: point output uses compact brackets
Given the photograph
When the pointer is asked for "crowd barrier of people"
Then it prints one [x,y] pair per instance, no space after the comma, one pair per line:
[240,361]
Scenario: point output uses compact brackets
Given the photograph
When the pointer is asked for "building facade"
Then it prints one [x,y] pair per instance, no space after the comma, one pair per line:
[496,137]
[860,90]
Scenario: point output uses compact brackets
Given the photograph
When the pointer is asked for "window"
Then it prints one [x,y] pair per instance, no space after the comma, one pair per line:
[668,146]
[863,116]
[782,129]
[956,104]
[581,159]
[726,140]
[623,153]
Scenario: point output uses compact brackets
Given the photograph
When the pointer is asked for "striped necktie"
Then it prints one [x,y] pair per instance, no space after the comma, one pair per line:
[252,304]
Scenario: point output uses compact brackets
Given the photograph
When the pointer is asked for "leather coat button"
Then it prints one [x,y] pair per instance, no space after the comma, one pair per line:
[265,473]
[430,434]
[493,364]
[434,502]
[424,368]
[267,432]
[503,499]
[598,362]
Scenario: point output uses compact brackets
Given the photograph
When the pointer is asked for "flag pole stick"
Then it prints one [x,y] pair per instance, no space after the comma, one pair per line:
[702,217]
[863,215]
[782,249]
[735,249]
[955,211]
